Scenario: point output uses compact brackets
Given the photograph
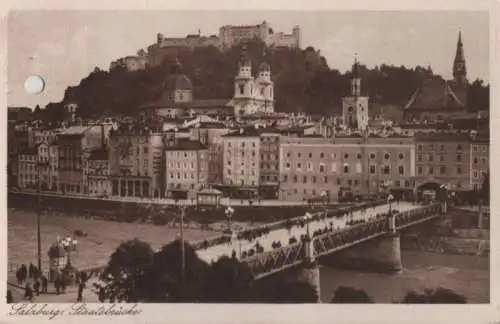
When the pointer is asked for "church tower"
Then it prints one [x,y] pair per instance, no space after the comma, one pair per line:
[355,106]
[265,87]
[244,85]
[459,68]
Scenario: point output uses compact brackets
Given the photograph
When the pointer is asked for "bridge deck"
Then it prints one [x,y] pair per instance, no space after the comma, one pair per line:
[283,235]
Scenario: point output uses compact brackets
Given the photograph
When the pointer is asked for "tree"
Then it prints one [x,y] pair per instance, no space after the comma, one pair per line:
[349,295]
[126,275]
[167,273]
[436,296]
[227,281]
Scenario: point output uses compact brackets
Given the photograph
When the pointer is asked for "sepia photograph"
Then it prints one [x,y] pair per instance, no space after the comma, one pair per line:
[247,157]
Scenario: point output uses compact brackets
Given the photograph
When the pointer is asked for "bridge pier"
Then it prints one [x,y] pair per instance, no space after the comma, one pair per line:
[309,272]
[382,254]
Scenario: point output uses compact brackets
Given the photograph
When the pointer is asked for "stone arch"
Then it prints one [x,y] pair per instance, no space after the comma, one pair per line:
[428,185]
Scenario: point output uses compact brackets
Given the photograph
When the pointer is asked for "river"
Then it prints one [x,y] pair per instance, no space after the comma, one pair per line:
[465,274]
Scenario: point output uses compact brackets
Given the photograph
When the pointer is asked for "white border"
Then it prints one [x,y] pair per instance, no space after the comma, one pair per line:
[289,314]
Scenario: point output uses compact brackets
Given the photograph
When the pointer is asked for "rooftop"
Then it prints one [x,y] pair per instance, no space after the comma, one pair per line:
[185,144]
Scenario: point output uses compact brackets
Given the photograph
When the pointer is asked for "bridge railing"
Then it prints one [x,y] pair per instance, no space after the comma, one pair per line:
[410,216]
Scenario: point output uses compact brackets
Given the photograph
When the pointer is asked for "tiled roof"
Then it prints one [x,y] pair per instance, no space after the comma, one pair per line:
[186,144]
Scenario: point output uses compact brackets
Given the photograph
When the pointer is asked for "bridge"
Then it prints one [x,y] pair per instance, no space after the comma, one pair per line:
[327,234]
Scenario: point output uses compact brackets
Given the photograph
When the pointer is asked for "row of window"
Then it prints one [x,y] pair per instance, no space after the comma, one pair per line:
[187,175]
[442,170]
[386,155]
[242,144]
[430,157]
[322,179]
[420,147]
[386,169]
[352,183]
[479,148]
[130,188]
[242,172]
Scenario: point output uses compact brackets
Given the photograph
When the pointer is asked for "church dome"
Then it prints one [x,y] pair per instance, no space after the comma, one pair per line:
[177,80]
[264,66]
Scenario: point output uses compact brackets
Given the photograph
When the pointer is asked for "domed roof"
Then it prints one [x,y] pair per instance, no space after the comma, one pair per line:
[176,80]
[264,66]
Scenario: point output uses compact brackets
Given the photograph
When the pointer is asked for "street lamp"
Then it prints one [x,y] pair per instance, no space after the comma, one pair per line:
[229,213]
[444,196]
[183,254]
[307,218]
[235,237]
[390,198]
[39,165]
[69,245]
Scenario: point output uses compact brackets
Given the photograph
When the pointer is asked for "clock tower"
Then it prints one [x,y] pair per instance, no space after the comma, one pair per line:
[355,106]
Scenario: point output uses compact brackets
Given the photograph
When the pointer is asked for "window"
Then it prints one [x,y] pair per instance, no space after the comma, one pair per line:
[339,182]
[321,168]
[294,179]
[441,147]
[145,150]
[325,179]
[346,169]
[459,170]
[459,147]
[288,154]
[304,179]
[287,165]
[476,160]
[299,166]
[314,179]
[401,170]
[321,155]
[310,155]
[386,169]
[358,156]
[419,147]
[242,88]
[299,155]
[419,157]
[419,170]
[431,170]
[386,156]
[346,156]
[285,178]
[442,170]
[372,169]
[372,155]
[401,156]
[309,167]
[398,183]
[459,157]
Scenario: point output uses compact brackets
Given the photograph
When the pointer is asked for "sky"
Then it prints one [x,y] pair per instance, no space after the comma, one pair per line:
[65,46]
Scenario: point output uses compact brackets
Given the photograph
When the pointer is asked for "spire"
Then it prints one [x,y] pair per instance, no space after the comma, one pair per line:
[459,68]
[355,67]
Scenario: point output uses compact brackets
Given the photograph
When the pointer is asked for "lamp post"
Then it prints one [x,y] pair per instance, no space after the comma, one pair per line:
[390,198]
[69,244]
[307,218]
[39,165]
[444,196]
[182,209]
[229,214]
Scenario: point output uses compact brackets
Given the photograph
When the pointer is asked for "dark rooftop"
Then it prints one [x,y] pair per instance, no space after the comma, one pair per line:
[185,144]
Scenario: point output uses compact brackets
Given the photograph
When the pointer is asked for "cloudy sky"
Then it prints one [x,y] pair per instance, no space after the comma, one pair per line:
[63,47]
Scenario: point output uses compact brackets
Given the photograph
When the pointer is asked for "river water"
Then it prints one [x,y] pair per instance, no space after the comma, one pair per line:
[465,274]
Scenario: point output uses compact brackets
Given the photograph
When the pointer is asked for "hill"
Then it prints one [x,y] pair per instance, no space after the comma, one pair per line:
[303,82]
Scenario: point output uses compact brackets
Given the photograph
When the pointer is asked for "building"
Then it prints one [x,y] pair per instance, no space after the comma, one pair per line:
[186,172]
[97,168]
[269,150]
[230,35]
[136,161]
[131,63]
[437,99]
[27,168]
[241,161]
[355,107]
[49,164]
[74,145]
[444,159]
[165,47]
[252,95]
[177,100]
[361,165]
[479,161]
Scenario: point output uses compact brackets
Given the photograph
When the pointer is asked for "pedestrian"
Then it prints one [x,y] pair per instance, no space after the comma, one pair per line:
[24,272]
[10,299]
[63,285]
[45,283]
[57,285]
[31,270]
[19,276]
[79,297]
[36,286]
[102,294]
[28,292]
